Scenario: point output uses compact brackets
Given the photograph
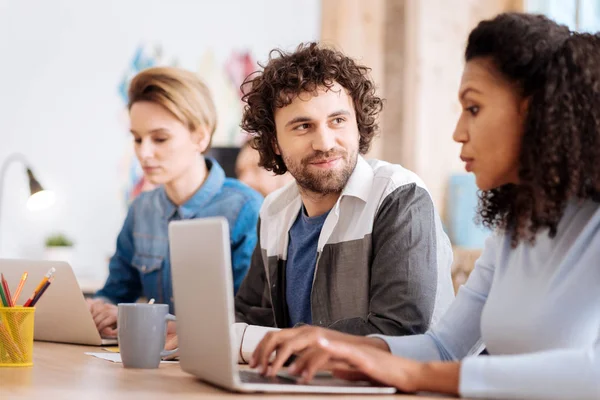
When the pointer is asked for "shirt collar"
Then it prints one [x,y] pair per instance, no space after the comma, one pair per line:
[209,189]
[360,182]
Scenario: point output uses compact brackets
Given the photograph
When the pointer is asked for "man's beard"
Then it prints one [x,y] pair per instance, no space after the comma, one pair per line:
[322,182]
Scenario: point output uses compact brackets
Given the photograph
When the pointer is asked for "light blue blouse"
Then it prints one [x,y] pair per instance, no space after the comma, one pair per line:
[536,309]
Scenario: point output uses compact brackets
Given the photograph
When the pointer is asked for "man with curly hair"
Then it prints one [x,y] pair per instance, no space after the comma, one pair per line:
[351,245]
[529,131]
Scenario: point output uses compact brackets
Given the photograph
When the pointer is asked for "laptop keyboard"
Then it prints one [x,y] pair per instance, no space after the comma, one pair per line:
[321,379]
[253,377]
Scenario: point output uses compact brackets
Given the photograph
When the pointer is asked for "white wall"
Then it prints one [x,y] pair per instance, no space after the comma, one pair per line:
[60,66]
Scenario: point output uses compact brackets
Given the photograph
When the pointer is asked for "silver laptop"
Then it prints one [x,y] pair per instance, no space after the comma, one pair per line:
[203,290]
[61,315]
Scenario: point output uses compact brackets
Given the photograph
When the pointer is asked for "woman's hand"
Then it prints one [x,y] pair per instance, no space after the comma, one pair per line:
[352,358]
[358,362]
[295,341]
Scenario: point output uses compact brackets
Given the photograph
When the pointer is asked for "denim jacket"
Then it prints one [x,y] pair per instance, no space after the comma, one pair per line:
[141,264]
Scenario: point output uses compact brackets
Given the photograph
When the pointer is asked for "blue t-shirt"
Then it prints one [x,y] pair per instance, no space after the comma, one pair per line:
[300,267]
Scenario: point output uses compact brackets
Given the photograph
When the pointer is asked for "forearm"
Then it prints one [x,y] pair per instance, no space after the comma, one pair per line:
[553,374]
[376,343]
[120,287]
[357,339]
[439,377]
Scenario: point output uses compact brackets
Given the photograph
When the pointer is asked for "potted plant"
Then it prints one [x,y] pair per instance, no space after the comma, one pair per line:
[59,248]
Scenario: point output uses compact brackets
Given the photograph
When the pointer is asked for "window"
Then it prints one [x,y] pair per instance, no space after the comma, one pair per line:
[579,15]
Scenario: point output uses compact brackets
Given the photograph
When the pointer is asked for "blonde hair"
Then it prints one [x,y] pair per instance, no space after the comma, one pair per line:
[179,91]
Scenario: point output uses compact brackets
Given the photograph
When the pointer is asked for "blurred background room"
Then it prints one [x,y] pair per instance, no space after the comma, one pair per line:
[66,66]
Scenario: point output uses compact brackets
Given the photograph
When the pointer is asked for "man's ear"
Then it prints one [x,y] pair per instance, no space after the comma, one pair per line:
[275,147]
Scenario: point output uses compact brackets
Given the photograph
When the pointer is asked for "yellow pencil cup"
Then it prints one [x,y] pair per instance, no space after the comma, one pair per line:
[16,336]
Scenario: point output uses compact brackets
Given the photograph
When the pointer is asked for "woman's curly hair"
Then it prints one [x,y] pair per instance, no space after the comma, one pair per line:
[559,72]
[285,76]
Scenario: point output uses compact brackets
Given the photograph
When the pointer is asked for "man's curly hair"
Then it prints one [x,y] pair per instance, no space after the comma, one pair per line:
[285,76]
[559,72]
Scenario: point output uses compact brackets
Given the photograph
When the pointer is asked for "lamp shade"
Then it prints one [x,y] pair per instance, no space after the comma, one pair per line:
[34,184]
[39,198]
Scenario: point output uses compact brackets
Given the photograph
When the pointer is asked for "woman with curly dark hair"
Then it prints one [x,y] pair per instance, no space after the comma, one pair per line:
[530,132]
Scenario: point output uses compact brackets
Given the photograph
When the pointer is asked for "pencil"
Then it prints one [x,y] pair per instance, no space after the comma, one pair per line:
[3,297]
[6,291]
[29,300]
[39,287]
[19,288]
[45,279]
[37,298]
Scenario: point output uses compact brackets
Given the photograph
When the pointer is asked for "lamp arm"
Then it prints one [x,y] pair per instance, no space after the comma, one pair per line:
[9,160]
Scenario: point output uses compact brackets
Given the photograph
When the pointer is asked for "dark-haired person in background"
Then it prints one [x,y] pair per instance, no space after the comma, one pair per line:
[530,132]
[248,171]
[351,245]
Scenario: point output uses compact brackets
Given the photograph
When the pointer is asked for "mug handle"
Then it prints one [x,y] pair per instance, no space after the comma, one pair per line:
[166,353]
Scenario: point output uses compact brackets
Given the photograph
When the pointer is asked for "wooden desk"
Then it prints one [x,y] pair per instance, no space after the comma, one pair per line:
[65,372]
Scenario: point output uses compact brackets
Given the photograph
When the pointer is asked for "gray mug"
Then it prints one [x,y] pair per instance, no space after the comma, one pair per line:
[142,329]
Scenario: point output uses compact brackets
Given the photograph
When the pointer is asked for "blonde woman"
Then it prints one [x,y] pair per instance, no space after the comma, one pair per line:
[173,119]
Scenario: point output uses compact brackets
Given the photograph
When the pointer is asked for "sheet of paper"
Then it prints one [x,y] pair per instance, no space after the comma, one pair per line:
[116,357]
